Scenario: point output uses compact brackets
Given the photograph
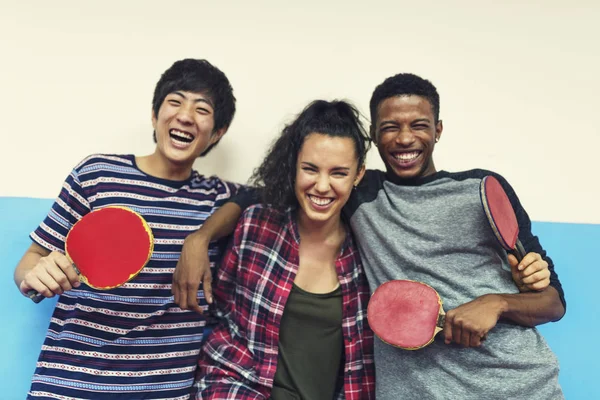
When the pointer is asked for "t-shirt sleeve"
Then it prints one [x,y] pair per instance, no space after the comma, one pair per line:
[69,207]
[246,196]
[530,242]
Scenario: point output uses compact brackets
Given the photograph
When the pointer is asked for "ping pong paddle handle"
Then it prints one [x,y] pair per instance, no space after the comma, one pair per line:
[439,326]
[36,297]
[441,319]
[519,251]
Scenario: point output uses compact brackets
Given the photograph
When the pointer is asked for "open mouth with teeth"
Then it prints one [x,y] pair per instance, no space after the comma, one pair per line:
[181,136]
[407,158]
[320,202]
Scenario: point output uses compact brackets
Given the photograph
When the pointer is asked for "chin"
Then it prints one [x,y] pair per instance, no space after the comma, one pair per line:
[404,173]
[317,217]
[177,157]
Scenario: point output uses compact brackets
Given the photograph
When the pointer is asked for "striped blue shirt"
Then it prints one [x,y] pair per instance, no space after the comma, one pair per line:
[130,342]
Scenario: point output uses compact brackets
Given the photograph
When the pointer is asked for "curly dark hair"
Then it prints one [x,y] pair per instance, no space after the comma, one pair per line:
[405,85]
[198,76]
[276,175]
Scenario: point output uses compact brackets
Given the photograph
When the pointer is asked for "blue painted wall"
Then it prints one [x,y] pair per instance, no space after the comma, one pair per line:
[572,246]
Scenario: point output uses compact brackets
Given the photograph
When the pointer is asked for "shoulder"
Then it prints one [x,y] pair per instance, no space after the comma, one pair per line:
[264,214]
[124,160]
[476,173]
[373,179]
[368,187]
[262,224]
[214,182]
[106,164]
[97,166]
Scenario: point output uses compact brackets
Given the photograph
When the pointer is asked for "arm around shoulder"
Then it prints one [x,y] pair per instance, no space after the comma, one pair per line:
[193,266]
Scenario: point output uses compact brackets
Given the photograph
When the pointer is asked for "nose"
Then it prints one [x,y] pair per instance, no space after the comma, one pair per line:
[322,183]
[405,137]
[184,115]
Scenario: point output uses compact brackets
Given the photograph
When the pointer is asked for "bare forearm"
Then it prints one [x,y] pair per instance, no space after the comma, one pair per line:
[193,266]
[221,223]
[532,308]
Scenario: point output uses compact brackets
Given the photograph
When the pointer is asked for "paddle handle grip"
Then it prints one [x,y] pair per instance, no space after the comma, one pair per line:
[519,251]
[441,320]
[35,296]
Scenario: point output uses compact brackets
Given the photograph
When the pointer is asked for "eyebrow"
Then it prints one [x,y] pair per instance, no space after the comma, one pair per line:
[316,167]
[387,122]
[197,100]
[396,123]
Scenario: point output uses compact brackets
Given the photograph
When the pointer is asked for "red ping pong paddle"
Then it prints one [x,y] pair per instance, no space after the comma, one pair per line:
[406,314]
[108,247]
[501,216]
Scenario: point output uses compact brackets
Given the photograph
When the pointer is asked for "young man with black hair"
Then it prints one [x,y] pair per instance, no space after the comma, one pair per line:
[133,342]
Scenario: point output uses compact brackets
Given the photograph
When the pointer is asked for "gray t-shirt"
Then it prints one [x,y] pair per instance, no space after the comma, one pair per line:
[434,230]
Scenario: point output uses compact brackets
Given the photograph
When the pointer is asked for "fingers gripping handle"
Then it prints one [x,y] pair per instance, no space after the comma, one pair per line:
[37,297]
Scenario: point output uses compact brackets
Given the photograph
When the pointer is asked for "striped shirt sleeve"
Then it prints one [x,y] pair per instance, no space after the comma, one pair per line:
[69,207]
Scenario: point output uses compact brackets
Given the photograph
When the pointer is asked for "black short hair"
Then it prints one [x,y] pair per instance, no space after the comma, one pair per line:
[405,85]
[276,176]
[198,76]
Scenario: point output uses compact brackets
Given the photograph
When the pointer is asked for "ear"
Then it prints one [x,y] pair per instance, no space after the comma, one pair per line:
[360,175]
[217,135]
[373,133]
[439,127]
[153,119]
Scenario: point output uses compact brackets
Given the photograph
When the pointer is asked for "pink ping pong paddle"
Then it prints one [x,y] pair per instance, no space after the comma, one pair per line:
[406,314]
[108,247]
[501,216]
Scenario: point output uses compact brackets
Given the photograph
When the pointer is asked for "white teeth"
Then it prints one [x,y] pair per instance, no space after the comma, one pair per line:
[407,156]
[182,135]
[320,201]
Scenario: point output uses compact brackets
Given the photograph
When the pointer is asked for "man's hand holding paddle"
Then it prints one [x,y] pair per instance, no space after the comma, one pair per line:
[105,249]
[531,273]
[469,324]
[52,275]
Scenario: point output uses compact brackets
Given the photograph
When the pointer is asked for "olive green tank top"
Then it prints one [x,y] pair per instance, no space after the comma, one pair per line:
[310,346]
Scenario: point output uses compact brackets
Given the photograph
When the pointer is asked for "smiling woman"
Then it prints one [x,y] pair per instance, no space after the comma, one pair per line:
[326,172]
[296,251]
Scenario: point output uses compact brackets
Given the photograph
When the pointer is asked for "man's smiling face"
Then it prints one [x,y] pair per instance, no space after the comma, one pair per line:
[405,133]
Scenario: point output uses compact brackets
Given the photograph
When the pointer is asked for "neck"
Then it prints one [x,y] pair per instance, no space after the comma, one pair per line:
[331,231]
[158,166]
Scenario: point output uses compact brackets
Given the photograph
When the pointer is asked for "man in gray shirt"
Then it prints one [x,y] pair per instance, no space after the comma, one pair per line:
[414,222]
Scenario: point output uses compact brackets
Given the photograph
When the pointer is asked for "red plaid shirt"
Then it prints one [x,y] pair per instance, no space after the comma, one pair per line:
[239,358]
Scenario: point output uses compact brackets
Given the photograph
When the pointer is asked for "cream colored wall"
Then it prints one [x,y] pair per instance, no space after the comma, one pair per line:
[518,82]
